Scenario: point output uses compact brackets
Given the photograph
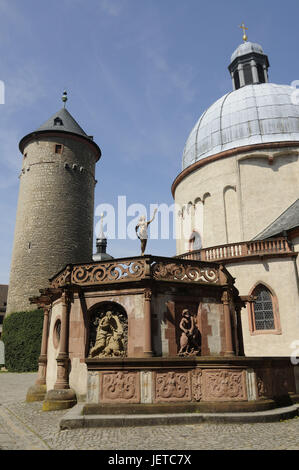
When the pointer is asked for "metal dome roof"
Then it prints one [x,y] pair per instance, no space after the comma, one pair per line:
[246,48]
[251,115]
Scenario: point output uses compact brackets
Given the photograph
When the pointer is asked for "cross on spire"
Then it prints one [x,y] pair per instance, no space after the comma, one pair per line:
[244,31]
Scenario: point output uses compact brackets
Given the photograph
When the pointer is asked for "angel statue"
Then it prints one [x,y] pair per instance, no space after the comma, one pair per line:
[141,230]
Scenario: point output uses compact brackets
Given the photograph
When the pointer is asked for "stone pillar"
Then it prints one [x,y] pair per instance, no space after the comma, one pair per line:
[38,391]
[62,381]
[239,331]
[255,76]
[241,75]
[148,352]
[62,396]
[228,327]
[42,360]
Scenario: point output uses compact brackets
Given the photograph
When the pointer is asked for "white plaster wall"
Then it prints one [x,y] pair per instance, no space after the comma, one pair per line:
[280,275]
[263,191]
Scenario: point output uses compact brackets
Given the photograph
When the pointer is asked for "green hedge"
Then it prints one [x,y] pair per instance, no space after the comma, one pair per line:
[22,335]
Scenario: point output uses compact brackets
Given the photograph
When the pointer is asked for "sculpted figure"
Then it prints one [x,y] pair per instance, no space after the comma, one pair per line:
[190,336]
[141,230]
[109,338]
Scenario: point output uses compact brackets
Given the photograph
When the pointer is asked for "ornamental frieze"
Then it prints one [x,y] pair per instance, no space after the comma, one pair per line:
[224,385]
[172,386]
[157,268]
[121,387]
[185,273]
[108,272]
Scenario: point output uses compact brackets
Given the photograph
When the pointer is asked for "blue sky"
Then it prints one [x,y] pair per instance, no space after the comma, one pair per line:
[139,73]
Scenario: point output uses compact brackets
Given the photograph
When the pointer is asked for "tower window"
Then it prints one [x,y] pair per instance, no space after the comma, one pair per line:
[260,72]
[248,74]
[264,316]
[58,148]
[58,122]
[237,80]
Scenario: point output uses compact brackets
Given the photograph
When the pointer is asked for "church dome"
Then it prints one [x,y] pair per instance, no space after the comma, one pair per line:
[253,114]
[247,48]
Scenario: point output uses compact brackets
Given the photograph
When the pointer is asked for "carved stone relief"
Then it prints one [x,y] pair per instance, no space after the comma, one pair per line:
[224,385]
[108,334]
[172,386]
[121,387]
[190,341]
[196,381]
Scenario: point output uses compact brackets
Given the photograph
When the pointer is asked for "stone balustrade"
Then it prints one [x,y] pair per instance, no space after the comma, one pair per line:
[239,250]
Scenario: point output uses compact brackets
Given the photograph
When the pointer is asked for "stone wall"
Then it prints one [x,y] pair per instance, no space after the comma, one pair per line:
[54,223]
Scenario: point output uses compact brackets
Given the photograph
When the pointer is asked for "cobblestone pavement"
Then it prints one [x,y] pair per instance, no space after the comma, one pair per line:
[25,426]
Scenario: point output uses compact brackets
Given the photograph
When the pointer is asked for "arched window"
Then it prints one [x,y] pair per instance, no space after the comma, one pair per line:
[264,316]
[194,241]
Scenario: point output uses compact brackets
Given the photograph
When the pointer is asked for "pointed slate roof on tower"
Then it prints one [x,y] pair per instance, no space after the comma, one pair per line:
[62,121]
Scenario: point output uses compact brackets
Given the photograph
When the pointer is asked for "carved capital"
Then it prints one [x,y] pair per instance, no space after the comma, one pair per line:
[148,294]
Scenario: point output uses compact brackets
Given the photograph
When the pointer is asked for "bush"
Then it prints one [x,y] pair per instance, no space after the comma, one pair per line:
[22,335]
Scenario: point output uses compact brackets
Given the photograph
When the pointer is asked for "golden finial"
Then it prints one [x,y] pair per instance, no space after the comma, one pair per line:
[244,31]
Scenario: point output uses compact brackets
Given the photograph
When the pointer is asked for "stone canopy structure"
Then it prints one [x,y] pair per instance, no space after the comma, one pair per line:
[151,331]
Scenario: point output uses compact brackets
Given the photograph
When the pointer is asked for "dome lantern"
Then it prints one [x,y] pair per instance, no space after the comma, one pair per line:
[249,65]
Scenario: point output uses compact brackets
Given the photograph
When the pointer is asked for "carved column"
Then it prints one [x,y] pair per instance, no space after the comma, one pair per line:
[42,360]
[147,323]
[228,326]
[62,396]
[38,391]
[62,381]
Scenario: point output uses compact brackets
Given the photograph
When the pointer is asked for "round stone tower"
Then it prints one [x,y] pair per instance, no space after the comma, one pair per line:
[54,222]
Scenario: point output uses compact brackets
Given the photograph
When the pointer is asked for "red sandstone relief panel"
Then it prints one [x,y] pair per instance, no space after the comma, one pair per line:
[196,383]
[172,386]
[224,385]
[119,387]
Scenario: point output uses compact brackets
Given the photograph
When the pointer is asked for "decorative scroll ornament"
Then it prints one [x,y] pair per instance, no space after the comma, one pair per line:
[120,386]
[108,272]
[63,279]
[196,381]
[173,386]
[185,273]
[225,385]
[111,335]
